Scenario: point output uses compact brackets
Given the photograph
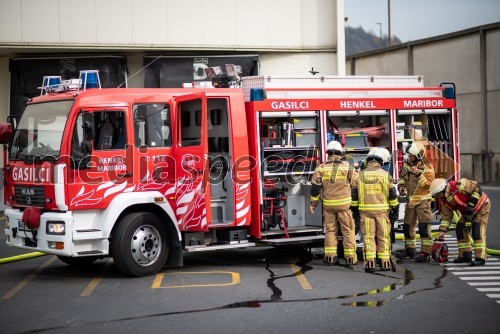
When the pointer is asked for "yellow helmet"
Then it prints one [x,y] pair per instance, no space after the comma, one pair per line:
[438,185]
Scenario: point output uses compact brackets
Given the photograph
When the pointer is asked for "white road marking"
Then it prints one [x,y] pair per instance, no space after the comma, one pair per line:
[488,289]
[483,283]
[494,272]
[480,278]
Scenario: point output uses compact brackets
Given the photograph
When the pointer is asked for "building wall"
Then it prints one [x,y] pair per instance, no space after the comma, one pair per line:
[208,24]
[471,60]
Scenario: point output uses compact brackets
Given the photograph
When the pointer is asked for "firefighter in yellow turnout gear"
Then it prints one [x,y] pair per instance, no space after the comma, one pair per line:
[466,197]
[332,183]
[374,195]
[416,176]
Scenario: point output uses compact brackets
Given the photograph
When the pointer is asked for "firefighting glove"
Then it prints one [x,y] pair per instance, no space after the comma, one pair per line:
[456,217]
[402,191]
[394,214]
[312,208]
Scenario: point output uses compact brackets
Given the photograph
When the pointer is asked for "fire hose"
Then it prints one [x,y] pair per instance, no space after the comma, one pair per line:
[21,257]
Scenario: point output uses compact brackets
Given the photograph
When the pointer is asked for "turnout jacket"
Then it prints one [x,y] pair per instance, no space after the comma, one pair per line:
[374,190]
[464,196]
[331,182]
[417,186]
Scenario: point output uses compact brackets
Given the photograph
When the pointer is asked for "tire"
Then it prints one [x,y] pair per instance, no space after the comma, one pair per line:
[78,261]
[139,244]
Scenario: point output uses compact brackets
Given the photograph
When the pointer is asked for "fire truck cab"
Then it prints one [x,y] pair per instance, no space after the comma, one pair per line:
[144,175]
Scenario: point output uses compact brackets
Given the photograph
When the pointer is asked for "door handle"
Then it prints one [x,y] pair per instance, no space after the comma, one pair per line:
[125,175]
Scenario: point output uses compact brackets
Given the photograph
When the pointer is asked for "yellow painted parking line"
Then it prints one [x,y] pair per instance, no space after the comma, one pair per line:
[235,279]
[300,277]
[96,280]
[25,281]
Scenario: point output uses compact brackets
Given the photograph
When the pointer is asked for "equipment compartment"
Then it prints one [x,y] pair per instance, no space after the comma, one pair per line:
[290,151]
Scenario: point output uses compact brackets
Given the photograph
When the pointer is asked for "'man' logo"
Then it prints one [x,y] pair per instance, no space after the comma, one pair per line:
[28,192]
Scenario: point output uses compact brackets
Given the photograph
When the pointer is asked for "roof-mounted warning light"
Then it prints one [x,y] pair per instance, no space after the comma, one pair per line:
[89,79]
[49,83]
[449,90]
[257,94]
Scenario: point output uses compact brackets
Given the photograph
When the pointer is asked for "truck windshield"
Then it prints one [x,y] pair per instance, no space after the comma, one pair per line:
[40,130]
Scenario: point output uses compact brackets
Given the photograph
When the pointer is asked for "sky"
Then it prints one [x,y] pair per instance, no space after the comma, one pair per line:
[416,19]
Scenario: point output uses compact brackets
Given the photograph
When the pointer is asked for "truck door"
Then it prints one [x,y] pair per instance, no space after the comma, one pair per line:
[191,154]
[101,167]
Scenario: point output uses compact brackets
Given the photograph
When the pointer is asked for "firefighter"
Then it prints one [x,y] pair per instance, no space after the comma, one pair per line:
[374,195]
[417,173]
[332,182]
[467,197]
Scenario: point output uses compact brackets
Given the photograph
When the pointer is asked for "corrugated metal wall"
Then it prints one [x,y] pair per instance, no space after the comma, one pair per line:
[471,60]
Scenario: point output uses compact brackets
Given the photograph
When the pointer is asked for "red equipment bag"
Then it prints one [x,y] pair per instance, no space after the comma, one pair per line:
[439,251]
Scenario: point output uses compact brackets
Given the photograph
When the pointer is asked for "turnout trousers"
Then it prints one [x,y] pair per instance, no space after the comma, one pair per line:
[333,220]
[420,214]
[376,230]
[478,231]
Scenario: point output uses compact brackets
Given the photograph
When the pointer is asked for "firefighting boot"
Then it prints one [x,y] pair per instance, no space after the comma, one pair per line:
[385,265]
[351,261]
[467,258]
[478,262]
[369,266]
[408,253]
[330,260]
[422,257]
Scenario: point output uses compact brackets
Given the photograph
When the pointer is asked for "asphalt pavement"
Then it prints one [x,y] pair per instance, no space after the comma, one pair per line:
[260,289]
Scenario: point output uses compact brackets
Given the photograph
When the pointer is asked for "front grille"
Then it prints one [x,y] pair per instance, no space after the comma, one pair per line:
[32,196]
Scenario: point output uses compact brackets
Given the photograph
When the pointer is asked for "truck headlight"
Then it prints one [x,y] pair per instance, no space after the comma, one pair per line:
[56,227]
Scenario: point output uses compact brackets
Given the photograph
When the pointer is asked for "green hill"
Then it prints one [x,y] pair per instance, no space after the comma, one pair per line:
[358,40]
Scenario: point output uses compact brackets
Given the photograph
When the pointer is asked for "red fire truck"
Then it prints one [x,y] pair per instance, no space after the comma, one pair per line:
[144,175]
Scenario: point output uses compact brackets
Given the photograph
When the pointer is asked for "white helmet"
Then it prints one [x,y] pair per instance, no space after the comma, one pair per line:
[384,154]
[379,154]
[438,185]
[334,147]
[417,149]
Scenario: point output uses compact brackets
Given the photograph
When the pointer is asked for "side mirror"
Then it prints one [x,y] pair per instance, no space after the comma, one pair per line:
[5,133]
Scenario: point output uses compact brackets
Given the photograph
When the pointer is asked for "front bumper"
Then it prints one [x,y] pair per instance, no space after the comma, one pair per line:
[74,243]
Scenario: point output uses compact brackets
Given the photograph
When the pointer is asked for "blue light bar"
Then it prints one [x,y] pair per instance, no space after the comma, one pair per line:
[256,94]
[89,79]
[49,83]
[449,92]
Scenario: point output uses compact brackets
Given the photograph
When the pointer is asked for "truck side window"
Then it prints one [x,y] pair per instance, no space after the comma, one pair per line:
[152,125]
[190,123]
[109,130]
[77,138]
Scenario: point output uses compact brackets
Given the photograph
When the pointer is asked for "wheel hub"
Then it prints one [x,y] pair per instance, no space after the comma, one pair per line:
[146,245]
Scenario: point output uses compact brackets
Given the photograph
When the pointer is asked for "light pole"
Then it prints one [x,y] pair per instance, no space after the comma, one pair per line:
[380,26]
[388,22]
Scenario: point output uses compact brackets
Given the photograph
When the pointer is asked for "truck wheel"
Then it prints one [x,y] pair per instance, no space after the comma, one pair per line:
[139,244]
[78,261]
